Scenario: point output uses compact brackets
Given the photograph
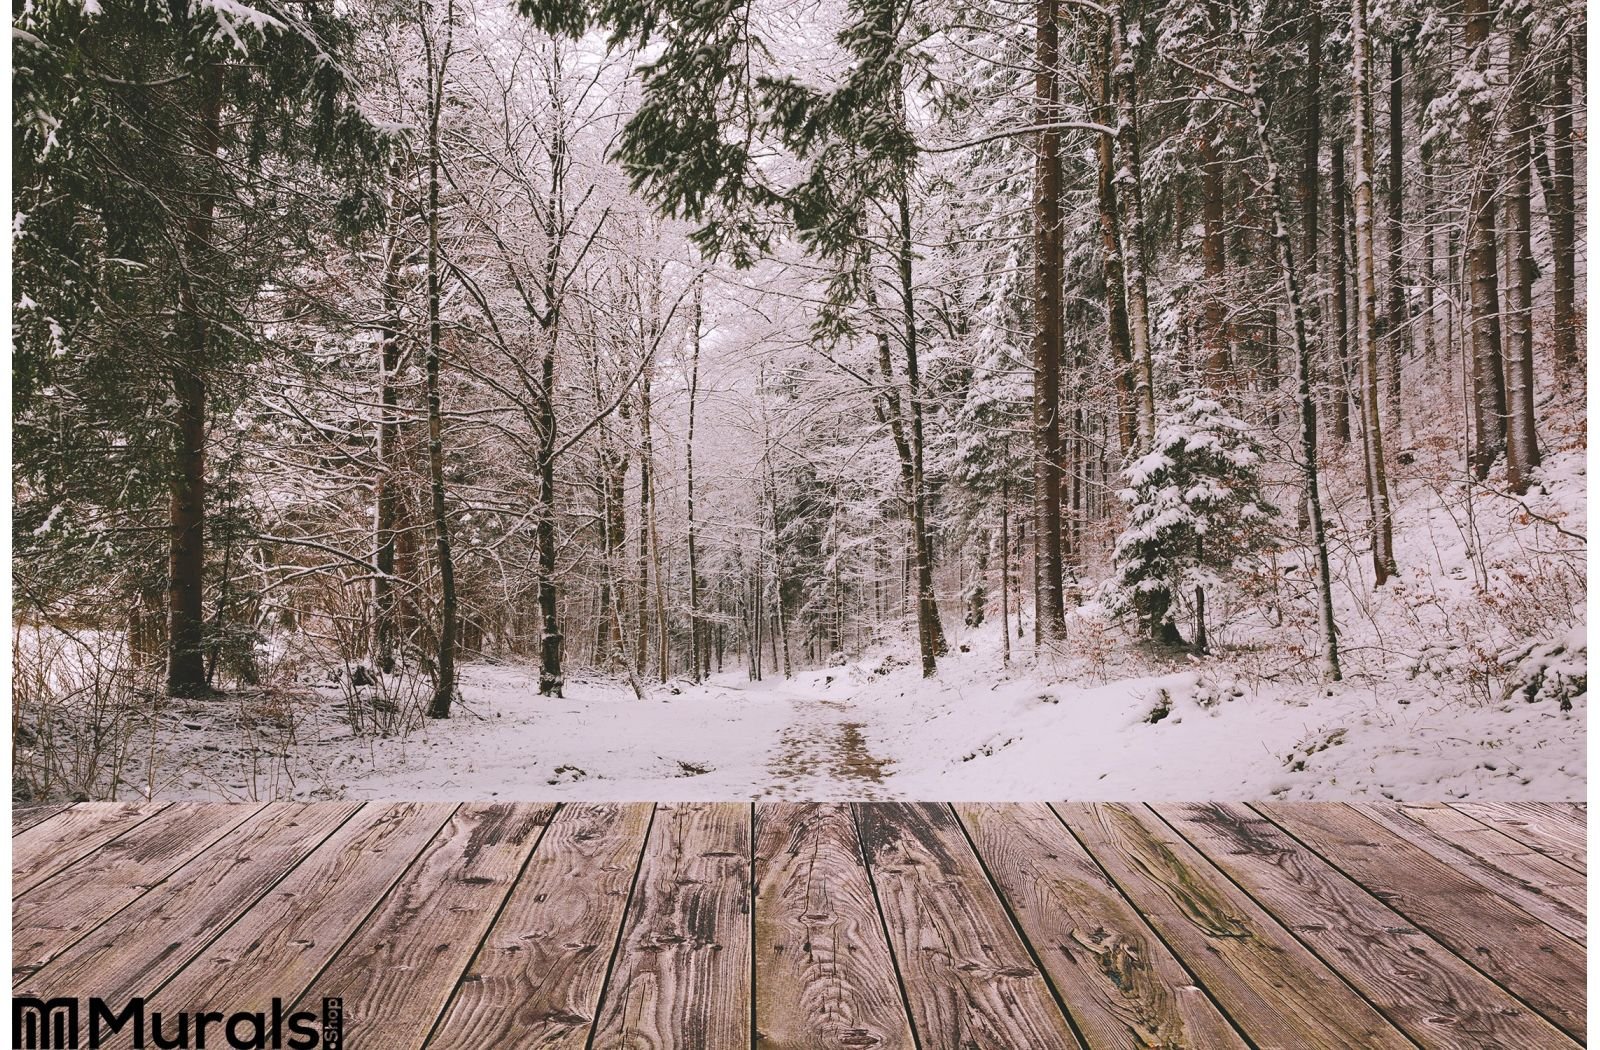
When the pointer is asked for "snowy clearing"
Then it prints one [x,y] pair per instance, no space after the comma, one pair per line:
[867,732]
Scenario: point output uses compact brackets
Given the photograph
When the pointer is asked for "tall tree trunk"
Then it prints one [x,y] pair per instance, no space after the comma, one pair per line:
[1306,403]
[1048,343]
[1489,394]
[1339,298]
[386,498]
[1430,263]
[1366,294]
[697,646]
[1522,445]
[186,671]
[1117,335]
[1562,211]
[929,630]
[445,662]
[1005,560]
[1125,80]
[1213,261]
[1395,327]
[1311,179]
[646,511]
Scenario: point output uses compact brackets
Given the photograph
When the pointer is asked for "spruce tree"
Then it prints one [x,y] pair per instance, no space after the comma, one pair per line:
[1196,509]
[165,156]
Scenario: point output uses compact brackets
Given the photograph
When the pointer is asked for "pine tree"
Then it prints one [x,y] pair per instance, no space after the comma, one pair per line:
[1195,509]
[153,141]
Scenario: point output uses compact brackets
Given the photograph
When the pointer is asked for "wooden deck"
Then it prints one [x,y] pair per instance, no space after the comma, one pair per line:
[824,926]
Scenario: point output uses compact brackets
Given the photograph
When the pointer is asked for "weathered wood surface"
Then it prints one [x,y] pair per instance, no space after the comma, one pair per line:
[65,837]
[968,975]
[876,926]
[1426,991]
[399,969]
[1542,887]
[538,977]
[53,914]
[826,975]
[682,973]
[1532,961]
[25,817]
[1552,830]
[279,946]
[1124,987]
[1269,983]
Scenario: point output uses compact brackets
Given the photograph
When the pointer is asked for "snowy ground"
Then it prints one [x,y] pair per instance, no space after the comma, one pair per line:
[1438,664]
[870,731]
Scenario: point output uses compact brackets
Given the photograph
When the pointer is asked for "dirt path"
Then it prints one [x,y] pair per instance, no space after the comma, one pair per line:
[823,753]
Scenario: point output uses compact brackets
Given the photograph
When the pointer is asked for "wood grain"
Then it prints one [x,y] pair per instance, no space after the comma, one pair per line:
[1558,834]
[138,949]
[25,817]
[1538,885]
[282,943]
[398,971]
[682,972]
[1418,984]
[1122,985]
[58,841]
[1532,961]
[969,979]
[825,977]
[538,977]
[57,912]
[1280,994]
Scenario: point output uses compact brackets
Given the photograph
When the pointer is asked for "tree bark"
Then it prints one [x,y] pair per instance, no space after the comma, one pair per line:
[1562,213]
[1307,406]
[386,498]
[1489,394]
[698,656]
[1395,327]
[1213,261]
[1048,342]
[1339,298]
[1311,179]
[1366,294]
[1522,445]
[929,630]
[186,672]
[445,661]
[1125,80]
[1117,335]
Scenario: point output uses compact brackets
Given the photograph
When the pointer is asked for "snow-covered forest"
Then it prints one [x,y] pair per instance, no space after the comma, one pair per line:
[854,398]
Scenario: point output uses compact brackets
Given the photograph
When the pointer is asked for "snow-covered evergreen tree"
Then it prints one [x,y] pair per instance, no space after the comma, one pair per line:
[1195,509]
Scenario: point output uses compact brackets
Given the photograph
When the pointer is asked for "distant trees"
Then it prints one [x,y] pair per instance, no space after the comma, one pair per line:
[436,328]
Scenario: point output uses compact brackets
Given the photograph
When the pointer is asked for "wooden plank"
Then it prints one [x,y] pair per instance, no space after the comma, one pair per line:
[69,836]
[1422,987]
[968,977]
[25,817]
[1538,885]
[279,946]
[57,912]
[1271,986]
[139,948]
[1124,988]
[1532,961]
[825,979]
[682,972]
[1561,837]
[537,980]
[398,970]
